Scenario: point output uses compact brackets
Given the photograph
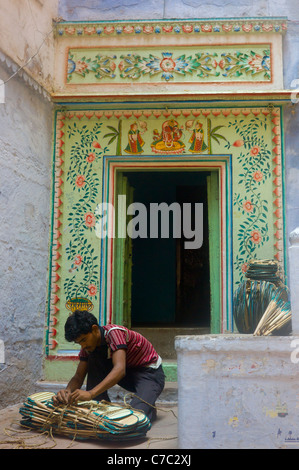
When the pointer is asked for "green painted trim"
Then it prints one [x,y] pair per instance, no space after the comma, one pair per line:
[214,250]
[170,370]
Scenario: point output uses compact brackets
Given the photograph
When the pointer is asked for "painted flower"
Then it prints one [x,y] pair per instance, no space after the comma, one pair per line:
[254,151]
[81,66]
[89,30]
[96,145]
[70,30]
[260,63]
[90,219]
[206,28]
[227,27]
[187,28]
[238,143]
[167,64]
[108,29]
[167,28]
[80,181]
[121,65]
[90,157]
[92,290]
[71,66]
[78,260]
[256,236]
[258,176]
[267,27]
[247,27]
[247,205]
[128,29]
[148,29]
[266,62]
[244,267]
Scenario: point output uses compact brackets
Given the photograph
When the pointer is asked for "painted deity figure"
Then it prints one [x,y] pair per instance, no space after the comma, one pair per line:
[168,141]
[197,137]
[136,142]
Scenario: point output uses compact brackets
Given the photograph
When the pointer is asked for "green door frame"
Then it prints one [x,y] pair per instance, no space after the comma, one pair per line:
[122,274]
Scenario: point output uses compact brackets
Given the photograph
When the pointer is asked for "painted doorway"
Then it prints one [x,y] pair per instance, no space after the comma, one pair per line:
[157,282]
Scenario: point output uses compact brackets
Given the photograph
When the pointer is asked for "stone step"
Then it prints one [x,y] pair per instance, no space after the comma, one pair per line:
[162,338]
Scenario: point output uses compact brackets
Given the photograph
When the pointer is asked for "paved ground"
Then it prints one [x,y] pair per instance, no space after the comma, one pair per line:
[162,435]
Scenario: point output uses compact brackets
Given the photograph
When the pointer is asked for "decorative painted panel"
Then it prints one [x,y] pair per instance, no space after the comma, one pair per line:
[203,63]
[249,137]
[127,58]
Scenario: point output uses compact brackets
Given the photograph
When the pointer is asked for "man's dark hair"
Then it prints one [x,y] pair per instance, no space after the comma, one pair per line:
[79,323]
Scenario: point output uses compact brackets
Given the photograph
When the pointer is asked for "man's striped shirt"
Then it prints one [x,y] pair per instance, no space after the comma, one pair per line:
[140,352]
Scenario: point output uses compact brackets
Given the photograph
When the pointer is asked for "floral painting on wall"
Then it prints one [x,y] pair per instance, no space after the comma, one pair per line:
[249,137]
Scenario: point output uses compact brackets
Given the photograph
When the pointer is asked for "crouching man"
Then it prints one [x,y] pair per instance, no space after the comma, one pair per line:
[111,355]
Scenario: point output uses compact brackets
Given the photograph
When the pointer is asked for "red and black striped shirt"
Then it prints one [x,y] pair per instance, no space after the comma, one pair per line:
[140,352]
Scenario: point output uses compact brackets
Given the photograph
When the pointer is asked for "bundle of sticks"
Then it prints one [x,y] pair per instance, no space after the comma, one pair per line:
[277,315]
[85,420]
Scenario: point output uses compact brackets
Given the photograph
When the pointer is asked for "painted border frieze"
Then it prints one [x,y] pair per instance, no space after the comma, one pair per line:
[172,27]
[203,63]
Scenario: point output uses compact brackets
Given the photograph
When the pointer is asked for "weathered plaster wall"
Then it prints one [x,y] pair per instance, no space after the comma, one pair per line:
[25,179]
[25,31]
[253,380]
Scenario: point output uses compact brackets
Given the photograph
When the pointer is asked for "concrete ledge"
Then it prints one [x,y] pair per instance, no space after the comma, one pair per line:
[238,391]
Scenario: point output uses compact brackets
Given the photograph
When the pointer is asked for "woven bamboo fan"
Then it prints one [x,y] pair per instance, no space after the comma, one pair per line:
[86,420]
[251,301]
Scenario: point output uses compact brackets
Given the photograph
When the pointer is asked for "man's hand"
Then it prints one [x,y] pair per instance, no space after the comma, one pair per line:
[80,395]
[63,396]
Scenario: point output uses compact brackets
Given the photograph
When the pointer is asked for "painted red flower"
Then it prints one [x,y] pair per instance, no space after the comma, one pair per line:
[81,66]
[90,157]
[256,236]
[238,143]
[78,260]
[92,290]
[258,176]
[96,145]
[80,181]
[90,219]
[244,267]
[254,151]
[248,206]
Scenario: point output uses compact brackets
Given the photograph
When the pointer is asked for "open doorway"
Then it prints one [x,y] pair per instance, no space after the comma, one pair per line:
[170,284]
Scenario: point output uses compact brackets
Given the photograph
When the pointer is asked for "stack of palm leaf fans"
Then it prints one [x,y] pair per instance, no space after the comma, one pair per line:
[264,270]
[261,305]
[85,420]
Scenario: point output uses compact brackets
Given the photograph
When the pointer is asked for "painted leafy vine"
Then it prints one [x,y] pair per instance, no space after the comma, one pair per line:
[82,176]
[254,158]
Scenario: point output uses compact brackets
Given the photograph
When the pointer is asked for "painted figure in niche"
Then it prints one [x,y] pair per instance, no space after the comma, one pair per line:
[136,142]
[197,136]
[168,141]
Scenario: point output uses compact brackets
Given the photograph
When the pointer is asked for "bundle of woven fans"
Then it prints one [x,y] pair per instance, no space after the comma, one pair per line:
[261,303]
[85,420]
